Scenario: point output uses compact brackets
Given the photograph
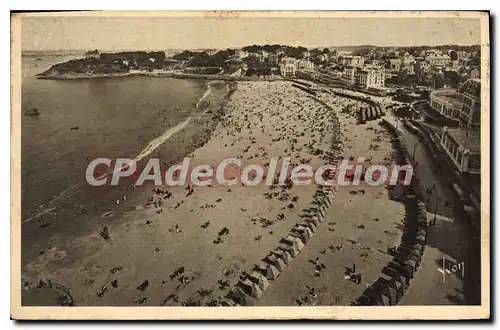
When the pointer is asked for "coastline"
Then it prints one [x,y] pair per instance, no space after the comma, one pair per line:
[170,74]
[175,143]
[148,239]
[138,227]
[87,76]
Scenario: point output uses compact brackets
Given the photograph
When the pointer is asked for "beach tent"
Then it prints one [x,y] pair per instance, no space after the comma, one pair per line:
[290,249]
[251,288]
[260,280]
[277,262]
[241,298]
[284,255]
[272,273]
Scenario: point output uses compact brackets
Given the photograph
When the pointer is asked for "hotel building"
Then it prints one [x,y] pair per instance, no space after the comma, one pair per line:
[370,77]
[463,144]
[438,60]
[356,61]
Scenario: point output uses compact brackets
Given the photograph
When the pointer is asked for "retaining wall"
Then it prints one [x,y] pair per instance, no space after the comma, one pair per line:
[396,276]
[47,284]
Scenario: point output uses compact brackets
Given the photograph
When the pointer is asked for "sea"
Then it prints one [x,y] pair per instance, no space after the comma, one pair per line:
[83,119]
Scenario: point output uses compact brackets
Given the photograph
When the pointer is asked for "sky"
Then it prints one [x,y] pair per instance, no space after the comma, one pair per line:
[136,33]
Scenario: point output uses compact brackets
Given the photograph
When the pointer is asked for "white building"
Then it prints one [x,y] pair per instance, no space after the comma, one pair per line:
[447,102]
[438,60]
[395,65]
[239,55]
[471,110]
[356,61]
[462,55]
[463,147]
[421,67]
[370,77]
[288,67]
[349,75]
[408,59]
[305,65]
[463,144]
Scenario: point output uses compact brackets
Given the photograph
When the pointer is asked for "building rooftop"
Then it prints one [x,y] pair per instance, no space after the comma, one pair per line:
[449,96]
[438,56]
[380,88]
[469,139]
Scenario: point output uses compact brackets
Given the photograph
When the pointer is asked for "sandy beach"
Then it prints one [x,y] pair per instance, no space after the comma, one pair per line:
[191,245]
[263,120]
[358,227]
[266,161]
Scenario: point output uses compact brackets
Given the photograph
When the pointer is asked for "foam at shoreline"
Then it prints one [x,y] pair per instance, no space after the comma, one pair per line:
[204,96]
[155,143]
[150,147]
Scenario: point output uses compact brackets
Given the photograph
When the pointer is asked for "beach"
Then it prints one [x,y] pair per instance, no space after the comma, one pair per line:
[132,117]
[263,120]
[194,245]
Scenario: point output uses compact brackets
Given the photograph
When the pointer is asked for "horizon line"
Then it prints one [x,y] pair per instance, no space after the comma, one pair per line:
[258,44]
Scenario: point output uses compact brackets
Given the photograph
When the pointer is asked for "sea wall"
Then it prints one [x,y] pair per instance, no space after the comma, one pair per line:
[47,284]
[396,276]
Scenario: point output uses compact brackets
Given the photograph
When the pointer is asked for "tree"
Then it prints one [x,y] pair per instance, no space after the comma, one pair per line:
[453,55]
[425,94]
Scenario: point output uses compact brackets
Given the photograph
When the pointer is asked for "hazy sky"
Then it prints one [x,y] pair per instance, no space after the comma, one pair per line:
[114,33]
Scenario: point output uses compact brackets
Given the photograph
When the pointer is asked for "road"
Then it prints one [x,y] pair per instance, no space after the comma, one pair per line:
[448,242]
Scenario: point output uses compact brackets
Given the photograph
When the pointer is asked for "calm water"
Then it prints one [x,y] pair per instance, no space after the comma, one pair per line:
[115,117]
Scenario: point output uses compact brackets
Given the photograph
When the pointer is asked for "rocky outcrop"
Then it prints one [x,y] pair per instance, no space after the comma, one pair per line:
[33,112]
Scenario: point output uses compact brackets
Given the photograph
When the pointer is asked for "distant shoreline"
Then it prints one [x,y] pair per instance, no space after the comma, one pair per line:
[179,75]
[87,76]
